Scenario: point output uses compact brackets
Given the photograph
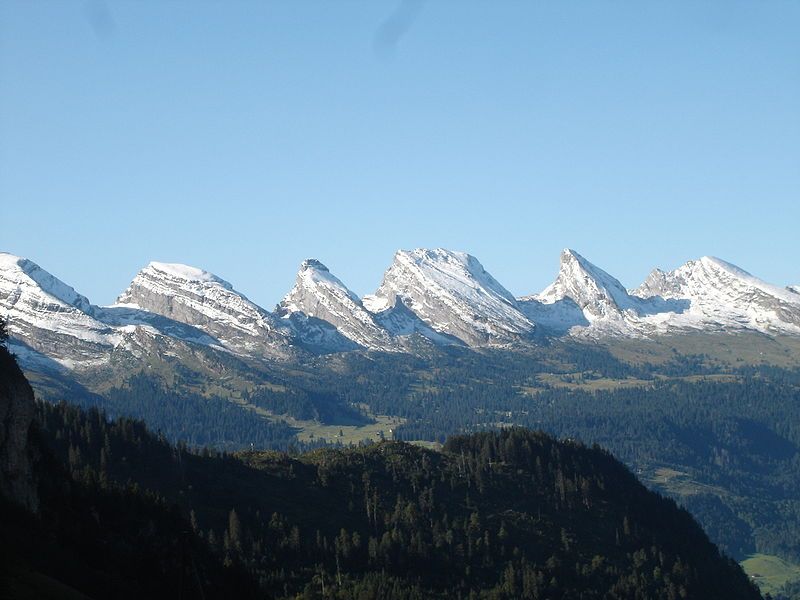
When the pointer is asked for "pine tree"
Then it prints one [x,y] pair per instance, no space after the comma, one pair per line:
[234,531]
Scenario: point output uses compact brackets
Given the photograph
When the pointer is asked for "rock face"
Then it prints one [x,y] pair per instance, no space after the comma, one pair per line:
[595,292]
[401,322]
[54,328]
[17,479]
[582,295]
[320,294]
[453,294]
[708,294]
[51,317]
[722,296]
[203,300]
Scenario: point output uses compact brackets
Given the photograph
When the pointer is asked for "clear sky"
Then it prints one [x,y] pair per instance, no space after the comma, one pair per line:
[242,137]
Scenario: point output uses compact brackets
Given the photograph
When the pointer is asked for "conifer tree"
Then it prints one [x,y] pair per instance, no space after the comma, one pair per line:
[234,531]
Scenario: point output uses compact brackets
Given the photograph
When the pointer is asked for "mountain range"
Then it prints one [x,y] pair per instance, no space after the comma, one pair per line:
[691,378]
[427,297]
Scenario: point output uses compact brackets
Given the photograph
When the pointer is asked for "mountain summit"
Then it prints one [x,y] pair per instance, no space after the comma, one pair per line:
[454,295]
[201,299]
[723,296]
[48,316]
[598,294]
[318,293]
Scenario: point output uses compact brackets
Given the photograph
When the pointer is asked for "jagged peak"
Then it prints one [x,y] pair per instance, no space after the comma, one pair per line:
[194,296]
[14,268]
[569,253]
[706,272]
[441,259]
[314,280]
[313,264]
[9,261]
[597,292]
[453,294]
[319,294]
[312,274]
[570,258]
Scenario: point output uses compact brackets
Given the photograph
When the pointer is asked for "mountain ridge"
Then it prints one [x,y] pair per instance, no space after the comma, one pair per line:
[427,296]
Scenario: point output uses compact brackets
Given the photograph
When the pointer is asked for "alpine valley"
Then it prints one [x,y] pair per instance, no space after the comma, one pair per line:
[691,379]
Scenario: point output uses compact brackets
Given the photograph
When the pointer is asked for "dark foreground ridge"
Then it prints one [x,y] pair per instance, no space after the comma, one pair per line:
[514,514]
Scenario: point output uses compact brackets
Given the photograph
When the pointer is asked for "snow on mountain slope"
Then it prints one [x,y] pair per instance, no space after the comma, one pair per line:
[794,288]
[203,300]
[454,295]
[50,321]
[50,317]
[706,294]
[446,297]
[126,317]
[598,295]
[586,301]
[318,293]
[401,322]
[558,316]
[721,296]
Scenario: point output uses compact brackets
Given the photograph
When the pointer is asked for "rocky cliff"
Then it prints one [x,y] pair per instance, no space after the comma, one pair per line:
[17,480]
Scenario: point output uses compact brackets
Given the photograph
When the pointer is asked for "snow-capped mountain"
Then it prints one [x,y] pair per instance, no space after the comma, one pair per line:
[320,294]
[706,294]
[794,288]
[453,294]
[441,296]
[598,294]
[719,295]
[55,327]
[201,299]
[582,295]
[50,318]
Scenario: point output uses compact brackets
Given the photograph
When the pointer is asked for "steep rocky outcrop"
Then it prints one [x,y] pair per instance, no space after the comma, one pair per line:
[320,294]
[453,295]
[17,480]
[201,299]
[721,296]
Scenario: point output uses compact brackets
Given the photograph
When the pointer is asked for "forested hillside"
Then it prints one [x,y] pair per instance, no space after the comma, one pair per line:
[510,514]
[723,439]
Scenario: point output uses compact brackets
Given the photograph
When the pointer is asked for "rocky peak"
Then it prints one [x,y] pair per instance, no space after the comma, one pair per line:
[597,294]
[18,275]
[320,294]
[199,298]
[51,317]
[454,295]
[720,292]
[313,264]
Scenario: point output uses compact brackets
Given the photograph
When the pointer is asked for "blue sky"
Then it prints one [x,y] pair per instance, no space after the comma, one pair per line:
[242,137]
